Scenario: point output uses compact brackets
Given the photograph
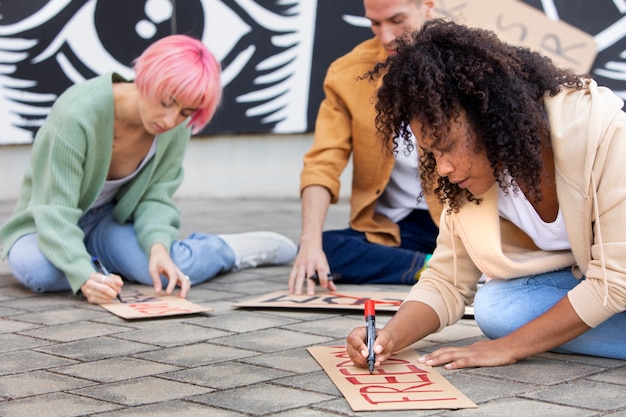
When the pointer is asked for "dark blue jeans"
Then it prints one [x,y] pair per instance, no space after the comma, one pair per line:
[361,262]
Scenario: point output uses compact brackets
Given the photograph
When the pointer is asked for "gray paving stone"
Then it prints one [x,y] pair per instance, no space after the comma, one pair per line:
[74,331]
[142,391]
[61,316]
[37,383]
[613,376]
[535,370]
[261,399]
[518,407]
[169,334]
[247,321]
[172,409]
[24,361]
[198,354]
[341,407]
[606,397]
[115,369]
[96,348]
[481,389]
[314,381]
[336,327]
[8,325]
[271,340]
[226,375]
[54,405]
[11,341]
[296,360]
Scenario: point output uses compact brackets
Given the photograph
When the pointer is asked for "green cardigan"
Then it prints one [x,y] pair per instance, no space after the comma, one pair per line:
[70,160]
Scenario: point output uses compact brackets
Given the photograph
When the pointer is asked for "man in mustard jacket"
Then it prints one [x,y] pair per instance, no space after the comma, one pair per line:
[391,233]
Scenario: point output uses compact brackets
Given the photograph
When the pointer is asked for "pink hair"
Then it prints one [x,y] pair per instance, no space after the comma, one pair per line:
[181,67]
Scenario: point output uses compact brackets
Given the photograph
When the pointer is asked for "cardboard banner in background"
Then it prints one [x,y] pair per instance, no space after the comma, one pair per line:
[400,383]
[520,24]
[332,300]
[141,302]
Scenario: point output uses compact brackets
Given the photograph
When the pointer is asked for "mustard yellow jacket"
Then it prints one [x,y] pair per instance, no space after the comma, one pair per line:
[345,127]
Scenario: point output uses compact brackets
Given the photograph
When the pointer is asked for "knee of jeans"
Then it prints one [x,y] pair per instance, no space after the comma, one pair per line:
[496,316]
[36,276]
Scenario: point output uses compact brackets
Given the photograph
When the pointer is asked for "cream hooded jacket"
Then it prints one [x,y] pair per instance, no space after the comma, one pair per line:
[588,132]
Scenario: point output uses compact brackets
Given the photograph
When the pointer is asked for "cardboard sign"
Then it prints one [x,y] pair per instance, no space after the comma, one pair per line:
[140,302]
[385,301]
[343,300]
[400,383]
[520,24]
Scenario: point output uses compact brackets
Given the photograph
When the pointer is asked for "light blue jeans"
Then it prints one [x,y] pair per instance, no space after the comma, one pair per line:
[502,306]
[200,256]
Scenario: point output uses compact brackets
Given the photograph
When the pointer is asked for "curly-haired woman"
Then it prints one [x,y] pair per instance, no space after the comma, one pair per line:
[528,160]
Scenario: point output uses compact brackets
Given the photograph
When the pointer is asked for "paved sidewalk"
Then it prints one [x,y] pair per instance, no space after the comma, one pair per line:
[60,356]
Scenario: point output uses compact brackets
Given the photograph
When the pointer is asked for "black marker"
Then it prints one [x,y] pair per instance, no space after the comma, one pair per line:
[331,277]
[101,269]
[370,322]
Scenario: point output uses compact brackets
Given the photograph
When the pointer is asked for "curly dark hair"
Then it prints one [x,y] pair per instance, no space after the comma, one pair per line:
[447,69]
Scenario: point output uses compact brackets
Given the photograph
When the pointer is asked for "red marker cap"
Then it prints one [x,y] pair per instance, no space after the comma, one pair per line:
[369,308]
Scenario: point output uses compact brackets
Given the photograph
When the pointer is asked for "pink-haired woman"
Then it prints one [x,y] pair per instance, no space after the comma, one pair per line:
[104,168]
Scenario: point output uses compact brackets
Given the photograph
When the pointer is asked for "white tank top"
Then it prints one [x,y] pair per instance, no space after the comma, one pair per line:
[516,208]
[111,187]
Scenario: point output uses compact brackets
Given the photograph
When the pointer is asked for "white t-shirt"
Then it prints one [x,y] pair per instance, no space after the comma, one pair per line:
[400,196]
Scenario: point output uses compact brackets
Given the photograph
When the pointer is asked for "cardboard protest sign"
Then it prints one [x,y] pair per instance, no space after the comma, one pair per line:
[400,383]
[385,301]
[345,300]
[520,24]
[140,302]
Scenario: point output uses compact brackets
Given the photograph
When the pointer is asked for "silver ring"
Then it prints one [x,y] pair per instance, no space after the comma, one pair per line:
[187,278]
[103,279]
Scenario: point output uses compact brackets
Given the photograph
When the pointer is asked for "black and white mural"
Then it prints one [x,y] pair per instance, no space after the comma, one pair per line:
[274,53]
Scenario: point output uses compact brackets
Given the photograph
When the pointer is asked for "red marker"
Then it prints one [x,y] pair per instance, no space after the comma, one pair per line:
[370,322]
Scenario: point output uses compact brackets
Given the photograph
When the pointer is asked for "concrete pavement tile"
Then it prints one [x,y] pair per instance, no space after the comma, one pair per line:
[8,312]
[613,376]
[10,326]
[261,399]
[54,405]
[538,371]
[25,360]
[254,285]
[142,391]
[606,397]
[226,375]
[296,360]
[61,316]
[44,302]
[621,413]
[10,341]
[37,383]
[335,327]
[169,334]
[271,340]
[518,407]
[340,406]
[74,331]
[587,360]
[482,389]
[96,348]
[456,332]
[115,369]
[305,412]
[247,321]
[195,355]
[204,294]
[172,409]
[314,381]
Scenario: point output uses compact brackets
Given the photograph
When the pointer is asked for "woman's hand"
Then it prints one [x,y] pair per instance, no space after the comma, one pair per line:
[357,349]
[483,353]
[161,263]
[101,289]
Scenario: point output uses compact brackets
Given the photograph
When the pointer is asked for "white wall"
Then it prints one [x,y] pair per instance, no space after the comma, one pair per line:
[237,166]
